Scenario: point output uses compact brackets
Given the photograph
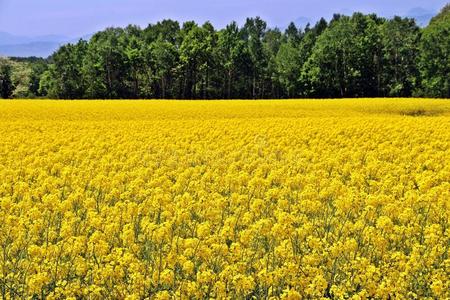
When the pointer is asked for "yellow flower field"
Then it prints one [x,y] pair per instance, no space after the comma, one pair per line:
[225,199]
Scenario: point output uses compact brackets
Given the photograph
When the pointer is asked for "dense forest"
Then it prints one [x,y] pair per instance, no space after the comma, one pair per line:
[350,56]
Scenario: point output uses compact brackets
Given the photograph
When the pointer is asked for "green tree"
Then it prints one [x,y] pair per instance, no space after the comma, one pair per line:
[21,76]
[306,46]
[195,57]
[254,31]
[37,70]
[434,63]
[235,61]
[6,84]
[104,65]
[288,68]
[207,84]
[270,85]
[64,79]
[400,40]
[162,57]
[343,62]
[292,33]
[329,68]
[368,41]
[133,64]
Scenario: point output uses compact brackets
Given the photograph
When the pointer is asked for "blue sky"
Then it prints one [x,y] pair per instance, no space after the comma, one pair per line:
[78,17]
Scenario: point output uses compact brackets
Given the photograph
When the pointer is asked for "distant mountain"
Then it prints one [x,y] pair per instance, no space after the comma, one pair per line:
[6,38]
[38,49]
[10,39]
[86,37]
[421,15]
[302,22]
[40,46]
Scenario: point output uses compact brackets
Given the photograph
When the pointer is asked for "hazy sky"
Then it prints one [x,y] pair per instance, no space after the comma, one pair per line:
[78,17]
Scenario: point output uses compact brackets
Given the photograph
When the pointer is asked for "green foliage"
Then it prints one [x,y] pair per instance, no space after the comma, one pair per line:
[400,39]
[196,59]
[6,83]
[235,58]
[21,78]
[435,56]
[26,74]
[105,65]
[345,59]
[254,31]
[350,56]
[287,62]
[37,70]
[63,78]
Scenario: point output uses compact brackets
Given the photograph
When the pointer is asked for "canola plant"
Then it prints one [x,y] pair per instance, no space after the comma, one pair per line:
[225,199]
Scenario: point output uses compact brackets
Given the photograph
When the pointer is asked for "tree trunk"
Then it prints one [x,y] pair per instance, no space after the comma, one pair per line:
[254,86]
[229,84]
[163,87]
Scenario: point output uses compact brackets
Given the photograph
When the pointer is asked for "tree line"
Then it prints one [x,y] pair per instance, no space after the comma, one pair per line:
[350,56]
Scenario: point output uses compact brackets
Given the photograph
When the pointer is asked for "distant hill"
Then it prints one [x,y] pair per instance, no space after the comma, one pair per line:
[302,22]
[40,46]
[421,15]
[38,49]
